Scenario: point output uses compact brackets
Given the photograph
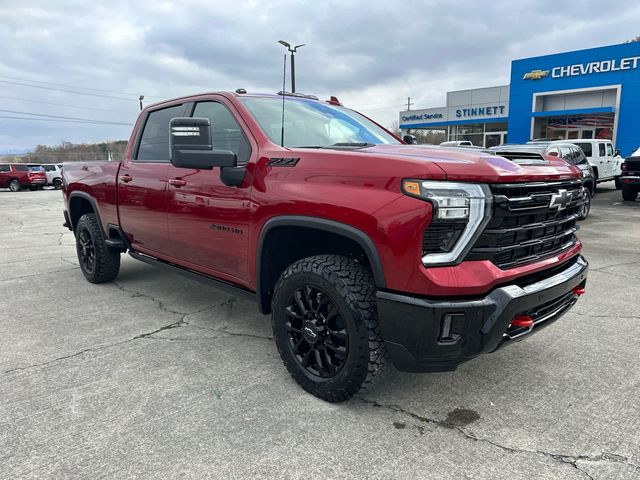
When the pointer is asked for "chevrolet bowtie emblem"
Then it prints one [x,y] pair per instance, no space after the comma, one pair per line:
[535,75]
[560,200]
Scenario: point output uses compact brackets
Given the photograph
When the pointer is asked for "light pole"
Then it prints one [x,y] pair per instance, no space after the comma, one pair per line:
[293,50]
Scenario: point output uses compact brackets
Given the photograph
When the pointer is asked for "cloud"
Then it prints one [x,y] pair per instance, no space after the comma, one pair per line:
[371,54]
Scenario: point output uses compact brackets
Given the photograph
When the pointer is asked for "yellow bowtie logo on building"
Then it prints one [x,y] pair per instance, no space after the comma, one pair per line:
[535,75]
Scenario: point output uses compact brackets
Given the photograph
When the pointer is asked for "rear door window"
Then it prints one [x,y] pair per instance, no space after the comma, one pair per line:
[154,143]
[21,168]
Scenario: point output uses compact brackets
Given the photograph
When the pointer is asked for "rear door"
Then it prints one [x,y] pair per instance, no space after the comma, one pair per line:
[142,185]
[208,220]
[5,170]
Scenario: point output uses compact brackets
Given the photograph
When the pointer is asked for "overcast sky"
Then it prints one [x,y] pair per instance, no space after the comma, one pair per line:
[372,55]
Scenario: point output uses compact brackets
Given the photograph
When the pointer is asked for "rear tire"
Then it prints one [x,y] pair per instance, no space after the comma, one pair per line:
[325,326]
[629,193]
[618,183]
[15,186]
[57,183]
[98,262]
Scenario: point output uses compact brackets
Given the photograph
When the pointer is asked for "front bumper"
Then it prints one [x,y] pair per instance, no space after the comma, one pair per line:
[433,335]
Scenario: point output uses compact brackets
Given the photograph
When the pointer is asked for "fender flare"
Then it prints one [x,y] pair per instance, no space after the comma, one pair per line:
[343,229]
[94,206]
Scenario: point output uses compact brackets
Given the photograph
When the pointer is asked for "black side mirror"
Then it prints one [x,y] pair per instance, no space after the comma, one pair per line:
[616,153]
[191,146]
[409,139]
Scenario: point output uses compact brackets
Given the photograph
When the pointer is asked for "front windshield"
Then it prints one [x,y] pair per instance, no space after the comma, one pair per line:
[313,124]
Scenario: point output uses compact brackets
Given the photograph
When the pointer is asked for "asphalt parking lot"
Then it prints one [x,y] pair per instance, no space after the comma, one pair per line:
[157,376]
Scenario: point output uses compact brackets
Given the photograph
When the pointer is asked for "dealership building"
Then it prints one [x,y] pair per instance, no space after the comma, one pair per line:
[592,93]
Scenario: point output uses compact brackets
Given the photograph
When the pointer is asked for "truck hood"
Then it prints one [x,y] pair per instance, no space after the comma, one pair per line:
[476,166]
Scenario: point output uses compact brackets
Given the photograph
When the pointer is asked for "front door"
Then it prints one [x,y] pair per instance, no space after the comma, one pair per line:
[208,221]
[142,185]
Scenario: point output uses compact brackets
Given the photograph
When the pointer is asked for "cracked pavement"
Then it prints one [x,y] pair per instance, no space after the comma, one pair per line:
[156,375]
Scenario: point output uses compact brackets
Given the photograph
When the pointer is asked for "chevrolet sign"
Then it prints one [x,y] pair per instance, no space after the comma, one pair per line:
[536,75]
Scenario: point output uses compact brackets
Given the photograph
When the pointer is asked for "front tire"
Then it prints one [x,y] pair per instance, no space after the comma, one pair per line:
[325,326]
[586,206]
[629,193]
[98,262]
[15,186]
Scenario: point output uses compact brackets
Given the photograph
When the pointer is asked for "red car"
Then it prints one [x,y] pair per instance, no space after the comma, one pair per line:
[361,247]
[18,176]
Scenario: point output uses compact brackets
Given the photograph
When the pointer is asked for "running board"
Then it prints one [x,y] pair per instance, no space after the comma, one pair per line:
[219,284]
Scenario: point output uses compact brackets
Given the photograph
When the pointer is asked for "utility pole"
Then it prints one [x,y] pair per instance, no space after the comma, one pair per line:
[409,103]
[293,50]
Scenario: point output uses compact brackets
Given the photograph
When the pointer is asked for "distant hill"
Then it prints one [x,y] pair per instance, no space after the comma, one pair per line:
[70,152]
[15,151]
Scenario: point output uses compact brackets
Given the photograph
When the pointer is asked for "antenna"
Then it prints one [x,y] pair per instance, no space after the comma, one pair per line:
[284,86]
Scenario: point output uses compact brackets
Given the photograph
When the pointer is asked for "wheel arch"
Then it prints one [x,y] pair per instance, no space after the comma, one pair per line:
[79,204]
[324,236]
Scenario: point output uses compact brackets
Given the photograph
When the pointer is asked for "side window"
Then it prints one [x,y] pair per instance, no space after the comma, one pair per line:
[5,168]
[21,168]
[609,150]
[601,149]
[154,143]
[586,148]
[49,168]
[580,158]
[225,130]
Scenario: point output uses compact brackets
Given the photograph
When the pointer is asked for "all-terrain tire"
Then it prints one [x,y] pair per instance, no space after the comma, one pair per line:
[629,193]
[103,264]
[351,288]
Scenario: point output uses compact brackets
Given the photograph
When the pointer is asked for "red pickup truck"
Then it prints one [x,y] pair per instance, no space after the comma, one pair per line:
[361,247]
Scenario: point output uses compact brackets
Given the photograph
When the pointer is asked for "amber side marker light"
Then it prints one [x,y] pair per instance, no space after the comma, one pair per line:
[411,188]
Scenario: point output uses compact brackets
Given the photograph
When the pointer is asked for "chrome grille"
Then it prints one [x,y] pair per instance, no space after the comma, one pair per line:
[530,221]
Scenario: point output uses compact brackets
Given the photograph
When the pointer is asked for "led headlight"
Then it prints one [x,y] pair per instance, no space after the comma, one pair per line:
[459,210]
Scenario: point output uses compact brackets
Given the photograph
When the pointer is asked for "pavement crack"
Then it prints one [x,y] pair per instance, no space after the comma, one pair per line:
[571,460]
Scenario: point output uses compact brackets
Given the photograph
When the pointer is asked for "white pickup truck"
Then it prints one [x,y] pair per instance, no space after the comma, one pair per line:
[603,158]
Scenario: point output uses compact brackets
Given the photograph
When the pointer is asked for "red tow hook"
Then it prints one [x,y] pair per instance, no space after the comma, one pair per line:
[522,321]
[578,290]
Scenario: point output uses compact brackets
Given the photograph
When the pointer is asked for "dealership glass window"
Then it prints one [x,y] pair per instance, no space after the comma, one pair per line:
[476,133]
[575,127]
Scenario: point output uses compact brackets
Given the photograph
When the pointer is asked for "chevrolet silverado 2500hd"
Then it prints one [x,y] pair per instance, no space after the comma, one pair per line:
[362,248]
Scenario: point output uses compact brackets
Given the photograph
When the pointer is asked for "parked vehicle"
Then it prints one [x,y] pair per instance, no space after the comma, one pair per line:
[17,176]
[54,175]
[457,143]
[361,248]
[630,178]
[567,151]
[603,158]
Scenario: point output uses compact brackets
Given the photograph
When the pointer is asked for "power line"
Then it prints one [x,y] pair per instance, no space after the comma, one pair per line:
[50,116]
[87,122]
[68,86]
[40,102]
[66,90]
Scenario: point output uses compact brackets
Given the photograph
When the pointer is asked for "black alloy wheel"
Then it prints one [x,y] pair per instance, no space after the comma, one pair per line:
[99,263]
[57,183]
[317,334]
[325,325]
[86,251]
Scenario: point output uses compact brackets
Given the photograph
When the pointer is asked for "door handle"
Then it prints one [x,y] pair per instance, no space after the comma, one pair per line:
[126,178]
[177,182]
